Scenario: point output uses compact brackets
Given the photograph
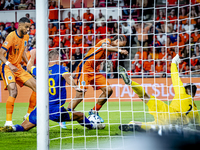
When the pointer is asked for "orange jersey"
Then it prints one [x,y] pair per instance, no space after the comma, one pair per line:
[96,55]
[147,65]
[159,68]
[15,46]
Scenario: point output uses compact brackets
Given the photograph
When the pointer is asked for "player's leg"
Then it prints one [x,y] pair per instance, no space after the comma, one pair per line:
[12,89]
[24,78]
[137,88]
[101,83]
[74,102]
[10,84]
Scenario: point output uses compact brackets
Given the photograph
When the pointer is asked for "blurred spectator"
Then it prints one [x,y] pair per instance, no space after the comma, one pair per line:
[83,46]
[2,4]
[169,61]
[65,55]
[188,27]
[142,37]
[52,45]
[30,6]
[88,16]
[32,30]
[22,5]
[1,40]
[187,70]
[126,30]
[171,2]
[72,65]
[195,35]
[159,18]
[172,16]
[197,24]
[162,38]
[69,20]
[78,38]
[9,5]
[78,56]
[192,15]
[159,67]
[85,28]
[197,52]
[136,65]
[102,30]
[173,37]
[2,31]
[100,19]
[193,61]
[52,29]
[147,64]
[111,3]
[182,66]
[162,55]
[183,16]
[184,36]
[53,14]
[28,16]
[116,28]
[67,39]
[90,38]
[98,38]
[142,54]
[110,23]
[78,23]
[11,28]
[30,2]
[62,29]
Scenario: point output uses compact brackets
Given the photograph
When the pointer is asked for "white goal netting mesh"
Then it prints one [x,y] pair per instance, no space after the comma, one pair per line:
[155,31]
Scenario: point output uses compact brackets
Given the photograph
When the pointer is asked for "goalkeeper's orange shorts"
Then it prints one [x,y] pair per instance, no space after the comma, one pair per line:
[19,77]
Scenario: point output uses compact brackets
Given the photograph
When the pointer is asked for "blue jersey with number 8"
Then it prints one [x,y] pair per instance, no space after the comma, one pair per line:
[57,90]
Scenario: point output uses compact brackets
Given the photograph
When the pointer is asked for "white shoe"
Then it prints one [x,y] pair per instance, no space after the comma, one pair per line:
[62,125]
[176,59]
[98,126]
[24,118]
[8,123]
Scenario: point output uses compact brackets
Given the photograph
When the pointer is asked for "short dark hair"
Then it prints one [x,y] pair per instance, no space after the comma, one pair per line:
[120,37]
[24,19]
[191,86]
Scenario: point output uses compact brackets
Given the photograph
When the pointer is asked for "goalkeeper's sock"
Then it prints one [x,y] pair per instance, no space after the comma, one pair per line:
[32,102]
[97,107]
[9,108]
[17,128]
[85,122]
[138,89]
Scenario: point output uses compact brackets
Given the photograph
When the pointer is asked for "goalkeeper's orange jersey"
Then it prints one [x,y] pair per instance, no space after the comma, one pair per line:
[15,46]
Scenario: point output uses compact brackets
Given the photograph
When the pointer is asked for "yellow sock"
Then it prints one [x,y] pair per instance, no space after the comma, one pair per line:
[9,108]
[138,89]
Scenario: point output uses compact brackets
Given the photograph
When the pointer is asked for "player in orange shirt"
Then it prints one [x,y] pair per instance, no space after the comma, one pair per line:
[88,75]
[11,54]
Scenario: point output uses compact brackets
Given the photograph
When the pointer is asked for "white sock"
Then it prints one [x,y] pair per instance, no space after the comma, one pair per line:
[9,123]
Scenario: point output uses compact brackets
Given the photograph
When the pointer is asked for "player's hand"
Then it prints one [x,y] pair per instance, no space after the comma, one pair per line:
[80,90]
[12,67]
[125,52]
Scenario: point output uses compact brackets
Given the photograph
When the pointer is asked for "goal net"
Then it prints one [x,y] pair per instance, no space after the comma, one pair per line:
[155,32]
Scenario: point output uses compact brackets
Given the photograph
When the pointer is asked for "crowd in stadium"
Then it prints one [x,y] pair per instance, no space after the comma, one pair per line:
[153,37]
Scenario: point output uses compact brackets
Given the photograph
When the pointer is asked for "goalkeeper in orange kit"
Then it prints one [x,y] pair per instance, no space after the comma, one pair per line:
[181,111]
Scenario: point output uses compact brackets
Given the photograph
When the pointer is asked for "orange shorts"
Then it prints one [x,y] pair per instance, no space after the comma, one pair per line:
[97,80]
[19,77]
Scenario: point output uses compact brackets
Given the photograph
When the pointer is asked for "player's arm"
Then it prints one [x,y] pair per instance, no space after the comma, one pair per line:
[114,49]
[24,57]
[5,61]
[68,78]
[176,81]
[30,63]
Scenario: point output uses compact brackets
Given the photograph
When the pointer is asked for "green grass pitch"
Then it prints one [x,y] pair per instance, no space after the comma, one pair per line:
[81,137]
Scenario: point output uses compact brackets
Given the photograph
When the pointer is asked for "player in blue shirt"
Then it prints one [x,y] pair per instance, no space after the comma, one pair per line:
[58,76]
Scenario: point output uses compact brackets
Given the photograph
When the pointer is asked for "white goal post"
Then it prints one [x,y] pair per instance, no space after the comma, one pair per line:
[42,75]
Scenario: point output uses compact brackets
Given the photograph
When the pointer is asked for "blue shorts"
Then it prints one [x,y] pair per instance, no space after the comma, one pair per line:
[55,114]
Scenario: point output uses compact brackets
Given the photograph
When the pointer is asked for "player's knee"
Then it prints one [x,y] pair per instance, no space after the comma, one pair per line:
[78,116]
[13,91]
[110,91]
